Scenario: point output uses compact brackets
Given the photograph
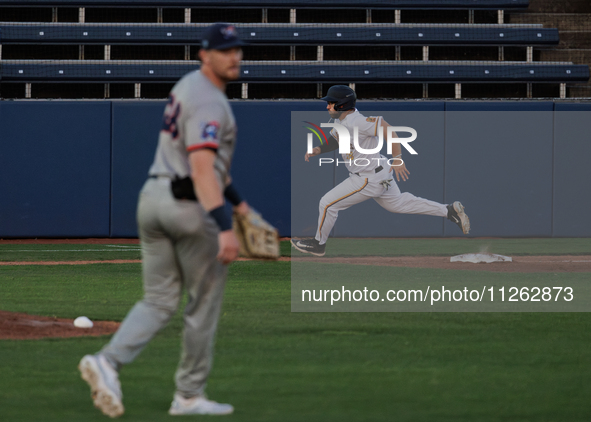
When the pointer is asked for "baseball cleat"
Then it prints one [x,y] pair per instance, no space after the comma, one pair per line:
[310,246]
[198,405]
[105,388]
[455,213]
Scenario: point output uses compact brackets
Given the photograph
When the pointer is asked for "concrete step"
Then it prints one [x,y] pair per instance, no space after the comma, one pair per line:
[579,91]
[575,39]
[562,21]
[560,6]
[578,56]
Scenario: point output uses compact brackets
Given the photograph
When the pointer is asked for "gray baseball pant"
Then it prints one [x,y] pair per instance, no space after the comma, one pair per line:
[358,188]
[179,248]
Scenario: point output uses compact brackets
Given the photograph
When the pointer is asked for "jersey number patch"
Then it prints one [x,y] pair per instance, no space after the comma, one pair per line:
[171,114]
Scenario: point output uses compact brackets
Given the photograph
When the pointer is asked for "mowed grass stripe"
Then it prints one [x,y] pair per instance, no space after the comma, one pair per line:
[78,252]
[68,252]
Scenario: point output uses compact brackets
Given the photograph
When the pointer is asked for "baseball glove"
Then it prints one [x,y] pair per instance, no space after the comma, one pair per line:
[258,239]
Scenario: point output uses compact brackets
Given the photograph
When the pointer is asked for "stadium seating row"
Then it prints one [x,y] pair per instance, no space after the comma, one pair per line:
[281,34]
[368,4]
[289,71]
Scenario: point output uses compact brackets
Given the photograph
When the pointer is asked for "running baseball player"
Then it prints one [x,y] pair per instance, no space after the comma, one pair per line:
[185,233]
[375,180]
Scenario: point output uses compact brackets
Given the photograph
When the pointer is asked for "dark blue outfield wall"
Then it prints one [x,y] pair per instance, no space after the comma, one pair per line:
[74,169]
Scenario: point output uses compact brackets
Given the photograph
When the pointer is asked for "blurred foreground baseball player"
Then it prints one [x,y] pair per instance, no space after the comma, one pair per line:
[185,233]
[371,181]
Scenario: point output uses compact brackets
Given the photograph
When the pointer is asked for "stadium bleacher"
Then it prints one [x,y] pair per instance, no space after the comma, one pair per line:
[302,50]
[303,71]
[369,4]
[281,34]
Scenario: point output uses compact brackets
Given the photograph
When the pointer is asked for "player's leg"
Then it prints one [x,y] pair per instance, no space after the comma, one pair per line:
[162,292]
[407,203]
[353,190]
[204,279]
[161,278]
[162,289]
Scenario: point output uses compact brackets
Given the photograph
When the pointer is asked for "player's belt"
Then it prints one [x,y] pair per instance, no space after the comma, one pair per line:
[376,170]
[181,188]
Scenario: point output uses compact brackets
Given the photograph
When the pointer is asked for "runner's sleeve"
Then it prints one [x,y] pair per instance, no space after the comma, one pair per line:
[330,145]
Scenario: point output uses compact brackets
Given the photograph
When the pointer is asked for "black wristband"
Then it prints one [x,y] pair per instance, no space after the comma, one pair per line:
[232,195]
[330,145]
[222,218]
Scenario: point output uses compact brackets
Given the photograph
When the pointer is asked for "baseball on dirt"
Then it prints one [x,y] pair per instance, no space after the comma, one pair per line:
[82,322]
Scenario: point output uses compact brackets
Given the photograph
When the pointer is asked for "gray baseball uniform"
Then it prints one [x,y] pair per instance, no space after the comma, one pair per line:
[179,238]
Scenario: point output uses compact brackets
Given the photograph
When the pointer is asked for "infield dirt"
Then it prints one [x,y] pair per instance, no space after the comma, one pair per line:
[19,326]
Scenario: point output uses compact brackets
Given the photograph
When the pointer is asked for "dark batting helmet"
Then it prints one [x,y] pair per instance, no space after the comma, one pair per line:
[343,97]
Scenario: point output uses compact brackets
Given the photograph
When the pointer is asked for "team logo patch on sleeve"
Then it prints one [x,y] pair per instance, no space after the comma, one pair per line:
[210,131]
[371,119]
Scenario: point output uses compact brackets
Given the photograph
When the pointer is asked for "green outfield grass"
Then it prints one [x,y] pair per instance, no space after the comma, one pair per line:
[335,247]
[80,252]
[274,365]
[68,252]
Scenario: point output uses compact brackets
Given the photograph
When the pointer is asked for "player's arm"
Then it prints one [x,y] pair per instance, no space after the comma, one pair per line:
[398,165]
[210,197]
[330,145]
[206,185]
[233,197]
